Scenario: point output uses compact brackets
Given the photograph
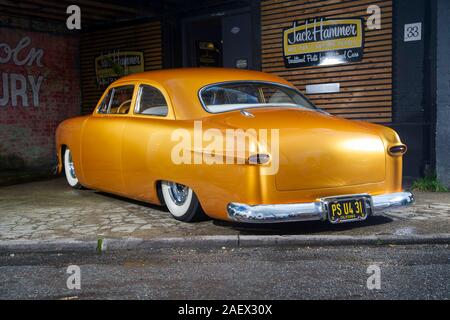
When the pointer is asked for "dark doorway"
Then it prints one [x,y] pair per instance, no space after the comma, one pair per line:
[220,40]
[202,43]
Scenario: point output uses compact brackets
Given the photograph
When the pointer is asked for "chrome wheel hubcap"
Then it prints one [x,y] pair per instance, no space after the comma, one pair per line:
[178,193]
[71,166]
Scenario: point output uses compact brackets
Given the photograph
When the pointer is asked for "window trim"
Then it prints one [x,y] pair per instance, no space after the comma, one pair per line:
[138,102]
[200,91]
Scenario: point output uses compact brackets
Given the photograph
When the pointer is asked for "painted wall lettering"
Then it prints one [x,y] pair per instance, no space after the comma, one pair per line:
[16,86]
[32,56]
[39,87]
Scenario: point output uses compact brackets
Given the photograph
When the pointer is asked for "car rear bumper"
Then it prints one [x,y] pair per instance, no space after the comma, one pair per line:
[311,211]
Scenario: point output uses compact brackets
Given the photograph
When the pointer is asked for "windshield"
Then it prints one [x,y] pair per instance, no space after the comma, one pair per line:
[242,95]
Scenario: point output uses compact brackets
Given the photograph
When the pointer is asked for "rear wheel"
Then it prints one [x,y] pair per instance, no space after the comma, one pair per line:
[181,201]
[69,169]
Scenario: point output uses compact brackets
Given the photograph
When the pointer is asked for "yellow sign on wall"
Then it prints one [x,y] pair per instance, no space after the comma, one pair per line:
[323,42]
[111,66]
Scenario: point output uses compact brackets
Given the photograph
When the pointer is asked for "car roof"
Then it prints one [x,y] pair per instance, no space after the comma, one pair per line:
[205,75]
[183,85]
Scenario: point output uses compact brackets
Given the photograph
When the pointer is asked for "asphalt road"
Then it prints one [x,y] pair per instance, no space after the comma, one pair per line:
[406,272]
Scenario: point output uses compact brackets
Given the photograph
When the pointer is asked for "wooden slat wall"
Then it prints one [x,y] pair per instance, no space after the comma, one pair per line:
[145,37]
[366,86]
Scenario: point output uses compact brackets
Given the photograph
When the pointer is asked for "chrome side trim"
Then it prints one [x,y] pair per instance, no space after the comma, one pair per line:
[312,211]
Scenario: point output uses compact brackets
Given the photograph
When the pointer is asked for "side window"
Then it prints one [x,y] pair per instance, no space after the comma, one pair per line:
[121,99]
[151,102]
[117,101]
[103,108]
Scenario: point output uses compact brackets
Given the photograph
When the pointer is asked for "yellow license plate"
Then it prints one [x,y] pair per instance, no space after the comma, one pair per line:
[348,210]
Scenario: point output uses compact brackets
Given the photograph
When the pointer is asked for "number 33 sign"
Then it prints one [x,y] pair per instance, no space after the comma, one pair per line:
[413,32]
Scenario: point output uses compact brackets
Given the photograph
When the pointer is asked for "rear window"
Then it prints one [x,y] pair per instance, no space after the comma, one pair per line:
[241,95]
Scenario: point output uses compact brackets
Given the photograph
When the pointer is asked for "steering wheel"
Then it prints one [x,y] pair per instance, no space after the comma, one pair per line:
[123,104]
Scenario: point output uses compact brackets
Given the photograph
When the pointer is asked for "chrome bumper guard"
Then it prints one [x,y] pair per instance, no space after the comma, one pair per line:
[312,211]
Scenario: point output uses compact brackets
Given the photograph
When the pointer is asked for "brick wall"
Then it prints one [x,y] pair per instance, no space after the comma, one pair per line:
[443,92]
[39,87]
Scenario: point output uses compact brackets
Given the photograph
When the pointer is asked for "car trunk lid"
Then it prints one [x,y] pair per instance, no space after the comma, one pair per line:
[318,151]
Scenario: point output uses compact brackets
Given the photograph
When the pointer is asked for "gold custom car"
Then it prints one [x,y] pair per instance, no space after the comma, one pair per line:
[234,145]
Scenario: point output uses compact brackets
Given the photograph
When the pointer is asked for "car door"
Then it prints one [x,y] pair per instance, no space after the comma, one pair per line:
[101,144]
[144,137]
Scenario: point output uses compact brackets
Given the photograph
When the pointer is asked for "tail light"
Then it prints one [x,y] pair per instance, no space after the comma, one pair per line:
[398,150]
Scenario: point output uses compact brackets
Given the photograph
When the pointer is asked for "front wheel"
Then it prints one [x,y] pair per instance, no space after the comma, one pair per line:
[181,201]
[69,169]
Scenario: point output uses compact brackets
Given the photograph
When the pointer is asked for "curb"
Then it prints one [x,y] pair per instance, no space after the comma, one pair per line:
[70,245]
[298,240]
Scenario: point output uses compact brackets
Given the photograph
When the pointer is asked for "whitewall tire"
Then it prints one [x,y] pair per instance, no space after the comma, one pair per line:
[181,201]
[69,170]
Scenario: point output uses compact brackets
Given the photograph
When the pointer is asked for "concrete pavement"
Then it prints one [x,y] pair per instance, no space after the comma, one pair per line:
[51,211]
